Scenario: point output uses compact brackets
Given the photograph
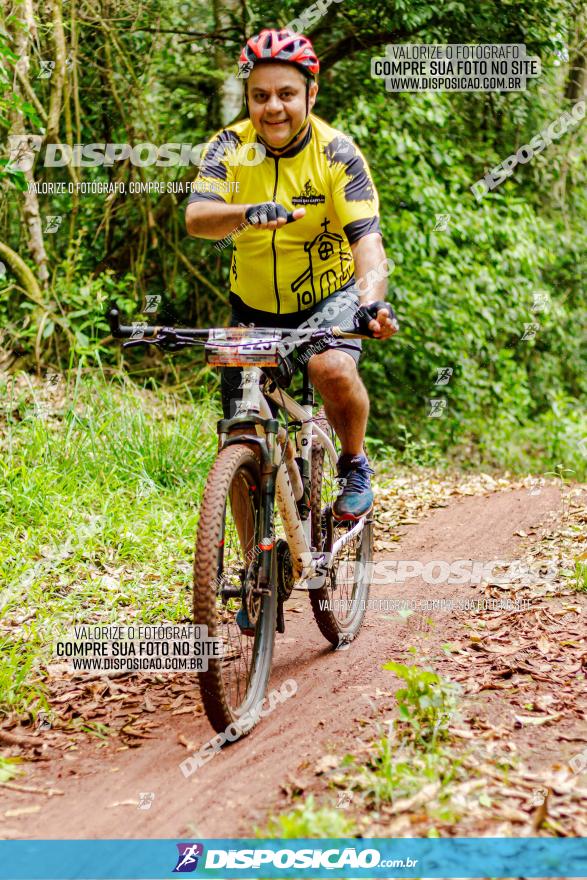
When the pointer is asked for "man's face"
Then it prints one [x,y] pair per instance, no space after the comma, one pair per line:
[277,101]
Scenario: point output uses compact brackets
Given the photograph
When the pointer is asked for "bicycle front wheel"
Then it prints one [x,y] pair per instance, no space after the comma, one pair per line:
[226,597]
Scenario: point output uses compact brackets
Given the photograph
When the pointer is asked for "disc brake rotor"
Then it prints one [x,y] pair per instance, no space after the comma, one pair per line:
[253,600]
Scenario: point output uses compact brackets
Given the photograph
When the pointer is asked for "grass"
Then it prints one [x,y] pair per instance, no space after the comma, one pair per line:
[581,576]
[413,754]
[395,771]
[99,489]
[308,820]
[426,704]
[9,769]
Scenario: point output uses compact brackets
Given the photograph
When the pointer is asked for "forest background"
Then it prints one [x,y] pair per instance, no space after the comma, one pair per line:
[493,289]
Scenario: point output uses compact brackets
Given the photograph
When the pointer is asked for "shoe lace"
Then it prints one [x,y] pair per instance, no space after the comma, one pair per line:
[357,479]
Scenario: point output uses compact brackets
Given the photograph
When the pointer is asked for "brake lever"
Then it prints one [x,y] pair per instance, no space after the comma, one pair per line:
[132,342]
[166,339]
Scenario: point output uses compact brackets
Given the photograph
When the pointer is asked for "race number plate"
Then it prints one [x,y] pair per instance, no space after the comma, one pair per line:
[242,347]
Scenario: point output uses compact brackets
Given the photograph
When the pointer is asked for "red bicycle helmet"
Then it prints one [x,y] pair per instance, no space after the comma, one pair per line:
[281,45]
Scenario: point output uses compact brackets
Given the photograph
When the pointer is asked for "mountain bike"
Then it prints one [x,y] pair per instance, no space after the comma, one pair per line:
[273,453]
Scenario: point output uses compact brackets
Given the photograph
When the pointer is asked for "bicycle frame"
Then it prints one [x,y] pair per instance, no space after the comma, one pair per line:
[254,406]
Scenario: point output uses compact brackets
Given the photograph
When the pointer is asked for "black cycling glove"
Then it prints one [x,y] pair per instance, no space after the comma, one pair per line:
[365,314]
[265,213]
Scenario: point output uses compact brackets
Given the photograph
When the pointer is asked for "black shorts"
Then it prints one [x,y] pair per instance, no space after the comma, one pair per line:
[337,309]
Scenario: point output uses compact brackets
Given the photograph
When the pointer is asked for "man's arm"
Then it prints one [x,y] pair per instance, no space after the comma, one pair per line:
[370,263]
[369,259]
[214,220]
[357,207]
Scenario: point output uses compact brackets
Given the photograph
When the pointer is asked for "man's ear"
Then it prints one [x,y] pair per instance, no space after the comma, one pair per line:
[312,94]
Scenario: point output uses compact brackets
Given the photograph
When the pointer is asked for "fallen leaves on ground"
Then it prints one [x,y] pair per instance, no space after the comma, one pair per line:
[523,678]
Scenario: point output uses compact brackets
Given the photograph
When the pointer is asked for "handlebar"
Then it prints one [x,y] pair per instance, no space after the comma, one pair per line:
[176,338]
[122,331]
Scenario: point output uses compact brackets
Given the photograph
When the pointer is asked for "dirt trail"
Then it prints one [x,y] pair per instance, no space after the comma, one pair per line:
[236,790]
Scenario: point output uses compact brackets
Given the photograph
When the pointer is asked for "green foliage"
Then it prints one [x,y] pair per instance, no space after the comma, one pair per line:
[20,684]
[309,820]
[581,576]
[99,489]
[464,294]
[392,772]
[426,703]
[75,326]
[8,769]
[12,103]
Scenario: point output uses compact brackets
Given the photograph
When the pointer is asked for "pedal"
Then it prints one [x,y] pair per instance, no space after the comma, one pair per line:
[344,641]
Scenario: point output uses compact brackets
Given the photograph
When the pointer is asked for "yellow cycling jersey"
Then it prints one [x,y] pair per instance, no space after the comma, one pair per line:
[293,268]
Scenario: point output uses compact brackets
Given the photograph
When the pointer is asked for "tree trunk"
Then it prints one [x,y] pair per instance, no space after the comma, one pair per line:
[228,102]
[58,74]
[23,273]
[576,84]
[231,99]
[22,36]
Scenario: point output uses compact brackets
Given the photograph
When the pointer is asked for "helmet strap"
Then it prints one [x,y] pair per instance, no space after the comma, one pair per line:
[290,141]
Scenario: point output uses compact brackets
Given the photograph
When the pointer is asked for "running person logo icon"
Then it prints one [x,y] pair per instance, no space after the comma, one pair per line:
[187,860]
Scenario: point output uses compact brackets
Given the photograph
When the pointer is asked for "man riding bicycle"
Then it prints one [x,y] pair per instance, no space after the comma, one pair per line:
[309,263]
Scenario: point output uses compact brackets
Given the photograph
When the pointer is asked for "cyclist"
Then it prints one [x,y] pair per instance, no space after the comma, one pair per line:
[282,275]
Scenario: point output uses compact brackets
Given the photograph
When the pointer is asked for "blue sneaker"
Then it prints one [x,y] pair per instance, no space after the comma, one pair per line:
[243,622]
[356,498]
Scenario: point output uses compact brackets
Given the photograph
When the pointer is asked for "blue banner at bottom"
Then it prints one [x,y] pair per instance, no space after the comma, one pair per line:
[312,858]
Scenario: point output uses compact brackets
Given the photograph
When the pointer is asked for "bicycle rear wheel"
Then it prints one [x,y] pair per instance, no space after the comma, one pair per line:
[225,583]
[339,605]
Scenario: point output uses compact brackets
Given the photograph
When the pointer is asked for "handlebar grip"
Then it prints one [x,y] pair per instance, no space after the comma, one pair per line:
[114,322]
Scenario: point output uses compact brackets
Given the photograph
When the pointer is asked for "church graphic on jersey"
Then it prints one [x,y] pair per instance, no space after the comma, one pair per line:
[320,250]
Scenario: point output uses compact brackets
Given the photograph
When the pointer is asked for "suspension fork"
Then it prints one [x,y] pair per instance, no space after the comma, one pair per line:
[267,526]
